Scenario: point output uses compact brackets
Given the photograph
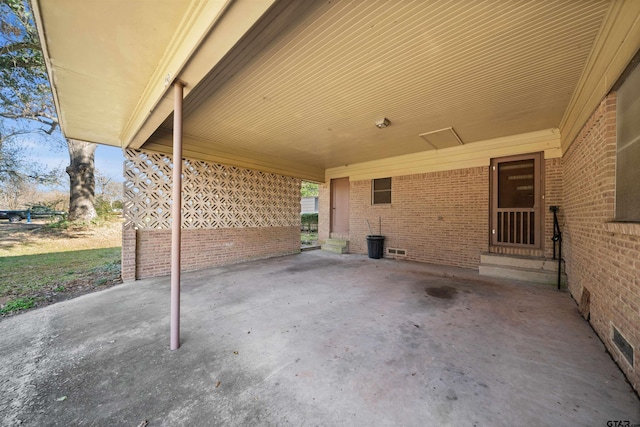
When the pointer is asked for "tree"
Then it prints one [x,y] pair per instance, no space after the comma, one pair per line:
[20,66]
[309,189]
[18,175]
[25,95]
[82,181]
[109,194]
[12,167]
[26,104]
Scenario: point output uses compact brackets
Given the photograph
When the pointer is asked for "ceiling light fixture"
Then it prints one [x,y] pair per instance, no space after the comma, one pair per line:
[382,123]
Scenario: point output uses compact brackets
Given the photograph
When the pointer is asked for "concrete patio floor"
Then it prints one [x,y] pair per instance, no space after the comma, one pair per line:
[313,339]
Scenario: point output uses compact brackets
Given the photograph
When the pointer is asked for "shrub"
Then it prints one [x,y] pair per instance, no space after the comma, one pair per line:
[309,218]
[309,221]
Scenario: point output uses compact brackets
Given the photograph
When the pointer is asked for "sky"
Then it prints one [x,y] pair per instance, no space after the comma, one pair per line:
[50,151]
[108,160]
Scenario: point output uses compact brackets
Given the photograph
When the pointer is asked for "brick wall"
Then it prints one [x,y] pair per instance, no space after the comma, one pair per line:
[211,247]
[128,253]
[324,211]
[229,215]
[602,257]
[552,197]
[438,217]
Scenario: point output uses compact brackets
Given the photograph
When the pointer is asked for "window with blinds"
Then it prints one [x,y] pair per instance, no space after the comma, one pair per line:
[381,191]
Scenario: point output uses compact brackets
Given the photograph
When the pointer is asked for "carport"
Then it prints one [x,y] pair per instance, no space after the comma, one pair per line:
[227,105]
[314,339]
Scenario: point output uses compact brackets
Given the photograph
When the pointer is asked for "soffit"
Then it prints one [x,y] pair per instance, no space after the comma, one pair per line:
[101,55]
[311,97]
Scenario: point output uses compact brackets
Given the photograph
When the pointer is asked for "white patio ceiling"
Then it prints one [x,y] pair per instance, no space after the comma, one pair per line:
[296,87]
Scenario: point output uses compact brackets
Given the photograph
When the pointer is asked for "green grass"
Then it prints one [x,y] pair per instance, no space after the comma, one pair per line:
[308,238]
[18,304]
[28,274]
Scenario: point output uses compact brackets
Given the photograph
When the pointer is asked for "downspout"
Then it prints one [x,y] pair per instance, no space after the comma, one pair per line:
[176,214]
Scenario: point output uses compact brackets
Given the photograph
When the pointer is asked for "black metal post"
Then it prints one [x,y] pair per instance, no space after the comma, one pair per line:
[557,237]
[559,260]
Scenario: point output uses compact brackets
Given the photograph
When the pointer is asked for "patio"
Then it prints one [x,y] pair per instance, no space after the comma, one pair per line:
[313,339]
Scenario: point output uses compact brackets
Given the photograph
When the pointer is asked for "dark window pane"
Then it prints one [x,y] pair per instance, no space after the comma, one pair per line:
[381,197]
[382,184]
[515,184]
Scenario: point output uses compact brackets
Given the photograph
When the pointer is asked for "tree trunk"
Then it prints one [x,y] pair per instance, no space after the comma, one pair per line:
[82,180]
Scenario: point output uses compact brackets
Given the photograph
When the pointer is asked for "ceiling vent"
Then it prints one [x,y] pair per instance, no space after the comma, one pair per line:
[443,138]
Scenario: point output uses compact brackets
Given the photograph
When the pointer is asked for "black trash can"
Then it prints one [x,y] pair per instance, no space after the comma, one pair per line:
[375,246]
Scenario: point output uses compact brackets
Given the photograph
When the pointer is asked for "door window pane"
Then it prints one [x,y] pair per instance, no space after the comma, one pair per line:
[515,184]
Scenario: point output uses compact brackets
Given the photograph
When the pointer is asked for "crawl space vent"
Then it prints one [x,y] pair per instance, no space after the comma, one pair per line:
[396,252]
[443,138]
[623,345]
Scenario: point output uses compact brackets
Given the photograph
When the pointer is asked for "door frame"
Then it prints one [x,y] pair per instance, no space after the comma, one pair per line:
[538,209]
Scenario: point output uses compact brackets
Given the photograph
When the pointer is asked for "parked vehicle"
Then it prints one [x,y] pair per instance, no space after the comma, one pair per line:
[34,212]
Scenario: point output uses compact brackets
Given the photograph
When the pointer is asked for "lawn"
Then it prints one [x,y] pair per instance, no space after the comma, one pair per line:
[41,265]
[25,274]
[307,238]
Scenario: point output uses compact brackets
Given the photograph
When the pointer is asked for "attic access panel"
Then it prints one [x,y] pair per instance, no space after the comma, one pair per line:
[442,138]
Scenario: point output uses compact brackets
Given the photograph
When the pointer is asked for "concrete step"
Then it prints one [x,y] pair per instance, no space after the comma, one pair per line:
[532,263]
[334,249]
[337,246]
[524,274]
[535,270]
[338,242]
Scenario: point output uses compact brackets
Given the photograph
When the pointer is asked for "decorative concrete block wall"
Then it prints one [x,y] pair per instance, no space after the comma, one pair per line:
[602,256]
[229,215]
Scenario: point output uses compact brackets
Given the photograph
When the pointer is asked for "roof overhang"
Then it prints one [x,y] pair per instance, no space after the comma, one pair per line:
[110,63]
[297,87]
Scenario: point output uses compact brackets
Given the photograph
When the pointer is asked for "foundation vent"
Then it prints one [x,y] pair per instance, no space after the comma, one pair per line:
[623,345]
[396,252]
